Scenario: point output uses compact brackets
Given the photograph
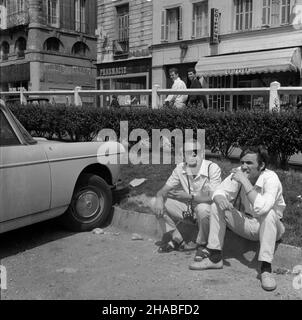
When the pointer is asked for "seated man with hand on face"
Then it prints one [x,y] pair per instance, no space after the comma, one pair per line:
[250,202]
[198,179]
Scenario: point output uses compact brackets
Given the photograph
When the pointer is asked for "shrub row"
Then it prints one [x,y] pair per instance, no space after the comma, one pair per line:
[280,132]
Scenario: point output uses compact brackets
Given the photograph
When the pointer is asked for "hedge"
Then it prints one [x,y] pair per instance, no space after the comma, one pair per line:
[280,132]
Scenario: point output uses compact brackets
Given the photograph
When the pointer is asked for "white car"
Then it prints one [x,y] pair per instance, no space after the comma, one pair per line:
[41,179]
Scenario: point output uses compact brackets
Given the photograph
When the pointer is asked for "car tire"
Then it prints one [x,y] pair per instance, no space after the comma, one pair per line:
[90,205]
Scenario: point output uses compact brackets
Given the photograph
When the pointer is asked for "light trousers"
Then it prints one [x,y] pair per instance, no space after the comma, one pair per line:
[267,229]
[173,214]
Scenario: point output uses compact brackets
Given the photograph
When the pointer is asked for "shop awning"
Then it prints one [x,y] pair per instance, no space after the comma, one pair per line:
[248,63]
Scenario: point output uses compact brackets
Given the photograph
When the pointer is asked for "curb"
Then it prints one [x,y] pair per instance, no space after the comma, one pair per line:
[286,256]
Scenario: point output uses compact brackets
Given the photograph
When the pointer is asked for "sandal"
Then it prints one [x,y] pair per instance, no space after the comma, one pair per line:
[202,252]
[170,246]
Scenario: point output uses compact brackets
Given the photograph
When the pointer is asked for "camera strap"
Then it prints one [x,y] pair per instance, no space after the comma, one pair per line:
[190,207]
[190,202]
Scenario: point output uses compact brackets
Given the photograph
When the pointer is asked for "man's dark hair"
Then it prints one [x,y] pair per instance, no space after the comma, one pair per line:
[261,151]
[175,70]
[191,70]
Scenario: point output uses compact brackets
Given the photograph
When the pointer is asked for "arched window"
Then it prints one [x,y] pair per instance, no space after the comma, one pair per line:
[4,50]
[80,48]
[20,47]
[53,44]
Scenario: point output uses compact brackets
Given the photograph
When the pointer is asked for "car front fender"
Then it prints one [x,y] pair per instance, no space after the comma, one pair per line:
[69,160]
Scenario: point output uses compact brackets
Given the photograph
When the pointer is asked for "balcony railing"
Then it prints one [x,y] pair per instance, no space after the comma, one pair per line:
[17,19]
[120,48]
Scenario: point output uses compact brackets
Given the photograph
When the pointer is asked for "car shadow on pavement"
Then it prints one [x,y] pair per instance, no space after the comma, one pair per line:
[29,237]
[26,238]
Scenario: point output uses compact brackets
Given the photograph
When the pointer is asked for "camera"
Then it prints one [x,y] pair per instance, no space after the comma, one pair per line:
[188,215]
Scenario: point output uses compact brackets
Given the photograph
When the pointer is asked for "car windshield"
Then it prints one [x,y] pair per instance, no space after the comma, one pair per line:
[28,138]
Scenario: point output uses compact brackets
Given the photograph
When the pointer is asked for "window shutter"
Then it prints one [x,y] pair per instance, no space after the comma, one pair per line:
[163,36]
[193,22]
[180,23]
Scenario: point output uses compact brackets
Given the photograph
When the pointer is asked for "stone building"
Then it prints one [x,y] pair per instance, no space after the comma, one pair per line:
[47,45]
[123,54]
[231,43]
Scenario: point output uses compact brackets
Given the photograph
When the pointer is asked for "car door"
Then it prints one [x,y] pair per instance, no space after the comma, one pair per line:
[25,183]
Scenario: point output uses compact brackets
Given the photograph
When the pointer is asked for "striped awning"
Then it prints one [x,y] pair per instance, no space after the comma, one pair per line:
[288,59]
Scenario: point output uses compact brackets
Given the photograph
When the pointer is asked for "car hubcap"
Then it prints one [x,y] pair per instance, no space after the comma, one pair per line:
[88,204]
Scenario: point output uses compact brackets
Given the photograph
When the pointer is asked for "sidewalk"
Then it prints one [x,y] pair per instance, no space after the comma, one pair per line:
[286,256]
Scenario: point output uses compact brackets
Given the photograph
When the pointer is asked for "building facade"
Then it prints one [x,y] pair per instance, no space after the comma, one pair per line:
[47,45]
[231,43]
[124,58]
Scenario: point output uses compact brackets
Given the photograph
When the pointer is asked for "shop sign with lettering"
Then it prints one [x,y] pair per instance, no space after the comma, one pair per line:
[68,70]
[237,71]
[113,71]
[214,38]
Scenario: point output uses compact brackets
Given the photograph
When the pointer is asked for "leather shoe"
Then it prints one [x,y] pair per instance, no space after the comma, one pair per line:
[205,264]
[268,281]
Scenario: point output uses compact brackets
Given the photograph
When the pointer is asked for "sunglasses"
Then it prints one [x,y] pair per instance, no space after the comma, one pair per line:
[195,151]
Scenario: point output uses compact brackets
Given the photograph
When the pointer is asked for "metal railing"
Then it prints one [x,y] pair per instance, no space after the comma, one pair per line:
[120,47]
[273,92]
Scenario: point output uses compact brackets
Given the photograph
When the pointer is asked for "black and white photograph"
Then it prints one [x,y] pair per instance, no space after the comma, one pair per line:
[150,153]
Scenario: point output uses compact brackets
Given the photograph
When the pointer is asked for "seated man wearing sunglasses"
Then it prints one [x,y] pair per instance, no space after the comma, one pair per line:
[198,178]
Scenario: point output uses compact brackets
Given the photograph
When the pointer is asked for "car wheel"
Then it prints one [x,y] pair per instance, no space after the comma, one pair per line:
[90,205]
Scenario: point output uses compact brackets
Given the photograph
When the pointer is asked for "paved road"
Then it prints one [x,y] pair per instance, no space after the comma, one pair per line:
[44,262]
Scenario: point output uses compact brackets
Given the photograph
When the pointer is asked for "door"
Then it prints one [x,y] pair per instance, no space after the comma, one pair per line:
[25,184]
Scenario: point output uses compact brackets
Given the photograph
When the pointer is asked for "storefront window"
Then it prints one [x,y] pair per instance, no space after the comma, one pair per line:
[106,98]
[220,102]
[253,102]
[242,102]
[17,86]
[135,83]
